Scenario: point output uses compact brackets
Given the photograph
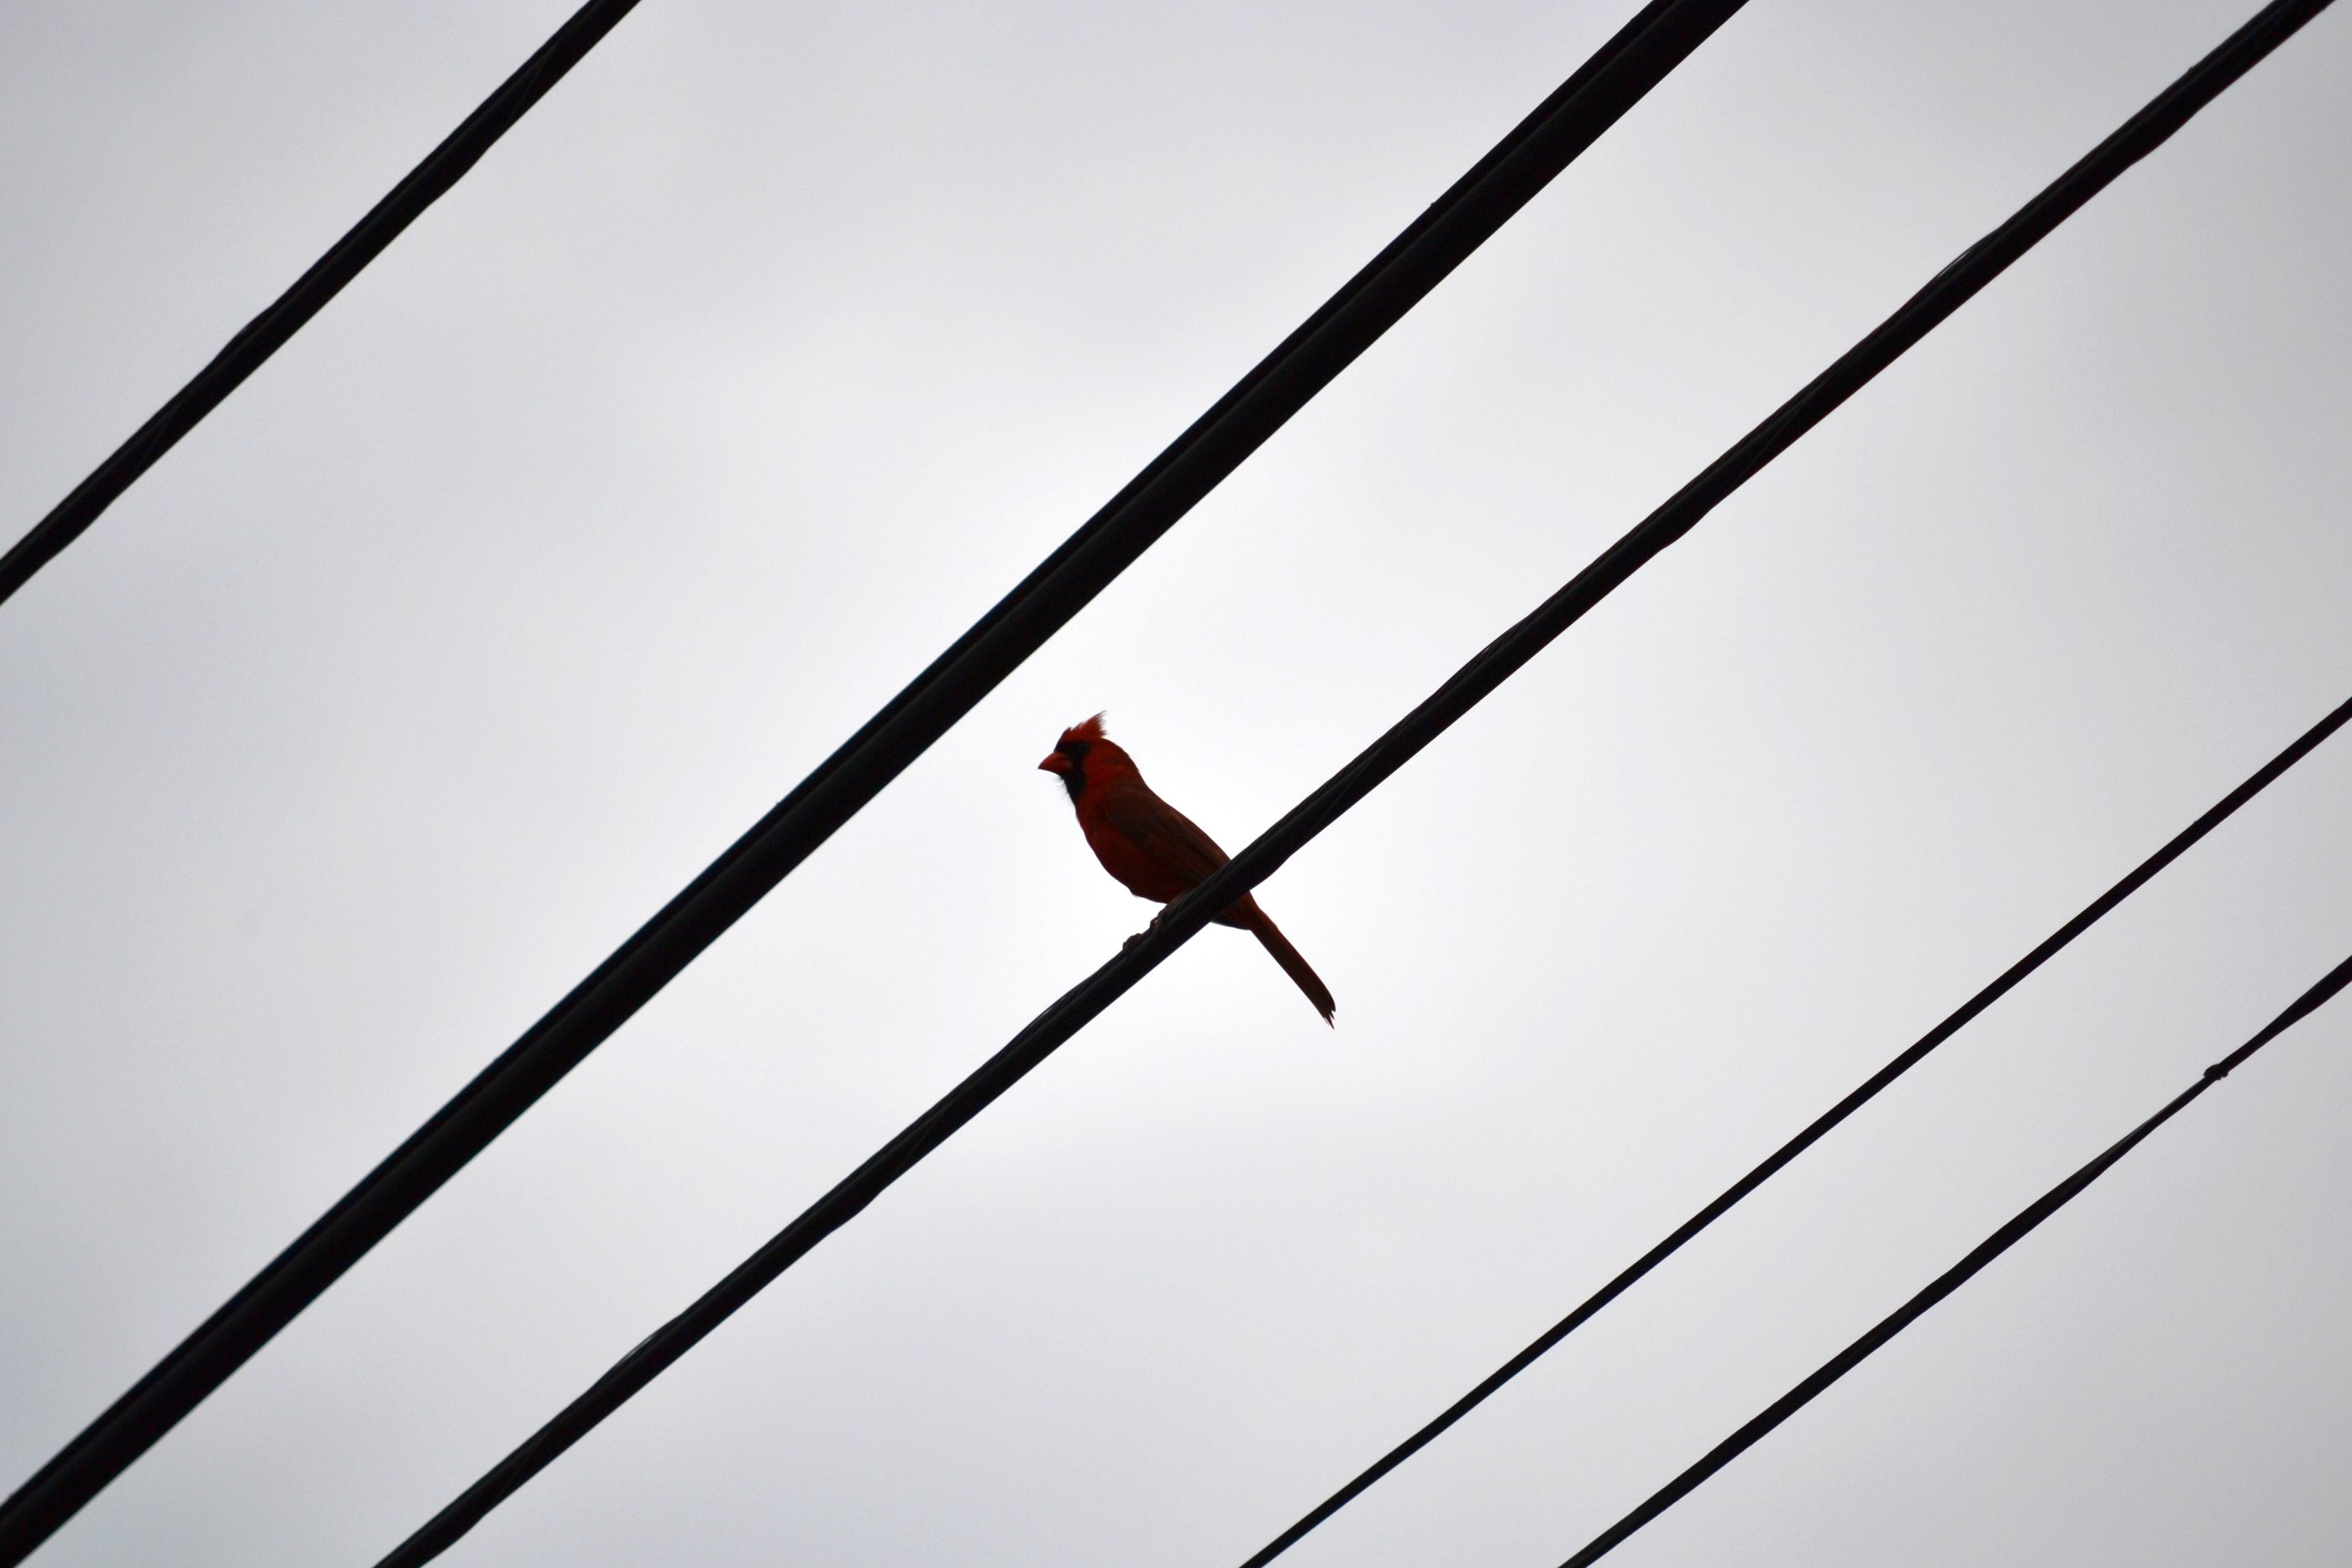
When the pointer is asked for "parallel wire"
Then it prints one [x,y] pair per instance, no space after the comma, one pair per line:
[1951,1279]
[1812,1133]
[1977,267]
[1600,91]
[267,332]
[2269,28]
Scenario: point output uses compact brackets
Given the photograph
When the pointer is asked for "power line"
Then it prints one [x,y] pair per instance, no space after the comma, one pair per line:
[267,332]
[1951,1279]
[1944,294]
[1608,85]
[1813,1131]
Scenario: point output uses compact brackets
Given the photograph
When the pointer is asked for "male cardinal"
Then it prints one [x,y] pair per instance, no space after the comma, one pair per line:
[1154,848]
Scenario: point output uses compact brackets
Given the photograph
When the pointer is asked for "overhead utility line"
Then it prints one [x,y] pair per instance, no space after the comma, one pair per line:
[267,332]
[1812,1133]
[1951,1279]
[1951,288]
[1615,78]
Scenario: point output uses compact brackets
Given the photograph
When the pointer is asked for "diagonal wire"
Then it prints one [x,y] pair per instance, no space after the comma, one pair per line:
[309,294]
[1951,1279]
[2001,983]
[1600,91]
[1944,294]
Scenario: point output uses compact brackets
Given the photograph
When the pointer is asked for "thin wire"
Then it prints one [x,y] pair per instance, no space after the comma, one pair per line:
[1812,1133]
[1177,924]
[1641,55]
[267,332]
[1951,1279]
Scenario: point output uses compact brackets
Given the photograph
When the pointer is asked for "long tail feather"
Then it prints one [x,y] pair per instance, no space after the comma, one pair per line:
[1297,968]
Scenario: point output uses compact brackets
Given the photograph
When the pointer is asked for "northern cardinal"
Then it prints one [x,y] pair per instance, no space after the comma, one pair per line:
[1154,848]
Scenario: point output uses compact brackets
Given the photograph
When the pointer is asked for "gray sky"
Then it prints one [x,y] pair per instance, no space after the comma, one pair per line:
[770,350]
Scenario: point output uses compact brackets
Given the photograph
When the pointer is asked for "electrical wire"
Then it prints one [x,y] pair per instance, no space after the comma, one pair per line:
[1944,294]
[2050,946]
[267,332]
[1602,91]
[1951,1279]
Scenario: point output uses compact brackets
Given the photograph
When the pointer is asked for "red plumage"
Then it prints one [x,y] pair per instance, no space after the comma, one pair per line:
[1153,849]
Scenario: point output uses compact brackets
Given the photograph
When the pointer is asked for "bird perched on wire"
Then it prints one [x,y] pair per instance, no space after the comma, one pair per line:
[1152,847]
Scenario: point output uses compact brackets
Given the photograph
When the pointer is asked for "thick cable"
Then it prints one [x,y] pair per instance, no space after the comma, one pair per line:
[1814,1130]
[1951,1279]
[1176,925]
[267,332]
[1616,78]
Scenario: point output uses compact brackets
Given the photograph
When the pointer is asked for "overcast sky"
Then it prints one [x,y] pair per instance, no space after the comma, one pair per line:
[770,350]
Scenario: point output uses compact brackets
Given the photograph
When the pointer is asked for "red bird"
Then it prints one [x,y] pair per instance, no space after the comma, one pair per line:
[1152,847]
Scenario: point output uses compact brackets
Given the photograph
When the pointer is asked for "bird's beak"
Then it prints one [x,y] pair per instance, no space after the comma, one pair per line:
[1056,763]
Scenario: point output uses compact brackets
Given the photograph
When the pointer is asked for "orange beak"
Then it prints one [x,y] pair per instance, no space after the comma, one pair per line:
[1056,763]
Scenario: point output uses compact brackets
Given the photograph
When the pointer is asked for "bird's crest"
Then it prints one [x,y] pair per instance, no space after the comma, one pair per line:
[1088,729]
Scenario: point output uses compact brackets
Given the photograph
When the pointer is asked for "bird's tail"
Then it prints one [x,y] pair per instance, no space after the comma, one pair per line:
[1255,921]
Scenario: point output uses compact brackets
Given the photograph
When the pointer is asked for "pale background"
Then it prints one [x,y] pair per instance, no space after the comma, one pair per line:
[770,350]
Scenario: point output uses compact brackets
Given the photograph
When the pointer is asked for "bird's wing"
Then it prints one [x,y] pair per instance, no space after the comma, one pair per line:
[1164,833]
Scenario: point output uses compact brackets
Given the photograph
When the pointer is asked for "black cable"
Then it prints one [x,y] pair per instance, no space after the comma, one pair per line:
[1641,53]
[1951,1279]
[1977,267]
[267,332]
[1999,987]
